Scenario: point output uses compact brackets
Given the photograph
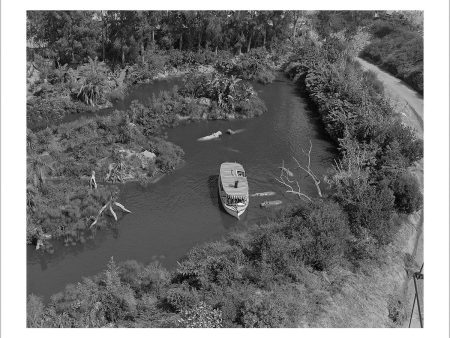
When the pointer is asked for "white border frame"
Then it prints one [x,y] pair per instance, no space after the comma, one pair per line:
[13,128]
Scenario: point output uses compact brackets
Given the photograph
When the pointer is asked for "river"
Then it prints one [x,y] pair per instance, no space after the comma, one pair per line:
[182,209]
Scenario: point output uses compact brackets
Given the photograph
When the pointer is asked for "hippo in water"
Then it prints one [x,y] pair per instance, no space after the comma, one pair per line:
[215,135]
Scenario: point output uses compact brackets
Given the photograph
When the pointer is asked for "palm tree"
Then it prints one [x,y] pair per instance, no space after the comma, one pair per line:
[36,170]
[93,81]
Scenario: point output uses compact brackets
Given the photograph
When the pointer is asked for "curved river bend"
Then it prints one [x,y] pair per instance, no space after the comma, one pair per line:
[182,209]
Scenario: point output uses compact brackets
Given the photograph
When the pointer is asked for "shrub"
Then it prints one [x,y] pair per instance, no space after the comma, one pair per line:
[329,227]
[200,316]
[253,65]
[35,311]
[259,310]
[51,111]
[181,297]
[369,207]
[93,85]
[168,155]
[407,193]
[265,76]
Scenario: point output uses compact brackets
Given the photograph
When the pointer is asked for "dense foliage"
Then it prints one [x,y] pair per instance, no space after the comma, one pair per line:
[54,93]
[65,49]
[397,48]
[272,274]
[128,139]
[254,65]
[375,146]
[127,36]
[246,280]
[228,95]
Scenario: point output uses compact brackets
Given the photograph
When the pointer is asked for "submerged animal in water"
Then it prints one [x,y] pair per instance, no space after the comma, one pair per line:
[266,193]
[266,204]
[213,136]
[232,132]
[233,150]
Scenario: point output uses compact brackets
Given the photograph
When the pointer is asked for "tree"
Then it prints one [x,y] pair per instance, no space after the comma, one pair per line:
[70,36]
[407,193]
[215,29]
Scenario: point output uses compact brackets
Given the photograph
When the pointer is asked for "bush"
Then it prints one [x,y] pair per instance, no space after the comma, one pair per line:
[407,193]
[181,297]
[254,65]
[168,155]
[200,316]
[329,227]
[265,76]
[50,111]
[369,207]
[263,311]
[35,311]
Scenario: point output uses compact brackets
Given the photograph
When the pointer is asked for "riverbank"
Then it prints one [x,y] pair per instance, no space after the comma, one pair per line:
[409,105]
[151,233]
[375,296]
[54,94]
[122,147]
[316,265]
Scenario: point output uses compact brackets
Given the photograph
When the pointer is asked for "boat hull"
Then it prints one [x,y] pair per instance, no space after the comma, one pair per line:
[233,210]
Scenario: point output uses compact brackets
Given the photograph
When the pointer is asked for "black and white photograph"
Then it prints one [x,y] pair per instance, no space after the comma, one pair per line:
[225,168]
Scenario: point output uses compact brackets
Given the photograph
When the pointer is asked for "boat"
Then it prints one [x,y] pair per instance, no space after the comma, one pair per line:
[233,188]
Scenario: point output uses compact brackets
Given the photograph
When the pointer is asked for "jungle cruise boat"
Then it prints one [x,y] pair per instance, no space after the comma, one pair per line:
[233,188]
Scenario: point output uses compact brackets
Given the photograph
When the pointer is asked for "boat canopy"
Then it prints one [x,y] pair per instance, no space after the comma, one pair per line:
[233,180]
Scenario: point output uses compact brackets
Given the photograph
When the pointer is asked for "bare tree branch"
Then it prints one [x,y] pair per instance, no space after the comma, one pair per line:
[308,169]
[99,213]
[289,183]
[112,212]
[284,179]
[122,207]
[110,205]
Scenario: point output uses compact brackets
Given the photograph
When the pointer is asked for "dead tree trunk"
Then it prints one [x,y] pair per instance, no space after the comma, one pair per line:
[109,205]
[308,169]
[286,181]
[286,177]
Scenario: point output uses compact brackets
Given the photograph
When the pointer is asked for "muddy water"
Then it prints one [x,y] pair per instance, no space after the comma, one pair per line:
[182,209]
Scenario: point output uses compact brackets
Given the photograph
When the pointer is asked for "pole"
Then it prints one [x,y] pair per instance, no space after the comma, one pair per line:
[412,310]
[418,302]
[416,296]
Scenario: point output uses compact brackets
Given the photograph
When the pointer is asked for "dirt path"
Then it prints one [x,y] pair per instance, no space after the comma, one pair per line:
[409,104]
[409,101]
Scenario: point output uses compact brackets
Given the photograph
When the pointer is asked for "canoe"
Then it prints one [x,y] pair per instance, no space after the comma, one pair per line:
[233,188]
[267,204]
